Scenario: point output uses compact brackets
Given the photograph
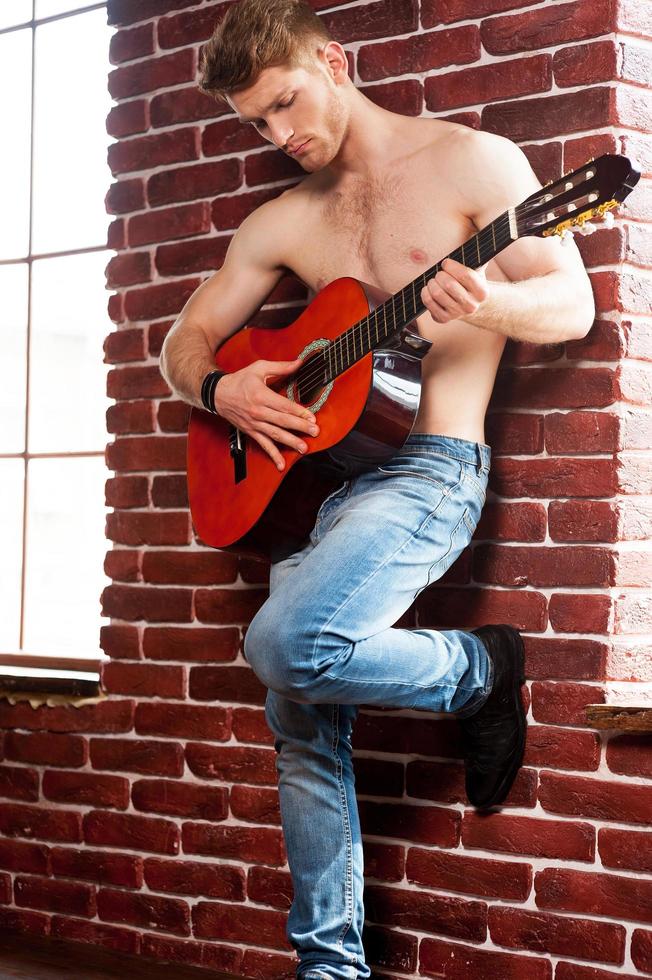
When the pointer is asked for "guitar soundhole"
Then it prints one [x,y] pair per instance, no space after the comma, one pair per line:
[311,377]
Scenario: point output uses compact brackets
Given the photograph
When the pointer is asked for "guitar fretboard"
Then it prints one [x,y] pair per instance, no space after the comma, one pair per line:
[394,314]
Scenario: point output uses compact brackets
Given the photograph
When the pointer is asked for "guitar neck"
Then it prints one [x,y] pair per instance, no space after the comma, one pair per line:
[390,317]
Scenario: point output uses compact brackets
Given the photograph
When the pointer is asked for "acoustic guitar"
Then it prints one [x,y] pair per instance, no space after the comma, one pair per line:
[360,375]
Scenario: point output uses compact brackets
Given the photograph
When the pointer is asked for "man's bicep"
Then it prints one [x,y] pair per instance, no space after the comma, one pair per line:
[251,269]
[504,180]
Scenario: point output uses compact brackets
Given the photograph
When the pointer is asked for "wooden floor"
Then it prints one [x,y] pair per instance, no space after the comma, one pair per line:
[26,958]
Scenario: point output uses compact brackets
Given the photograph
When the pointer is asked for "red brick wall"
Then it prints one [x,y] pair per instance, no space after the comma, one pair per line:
[150,822]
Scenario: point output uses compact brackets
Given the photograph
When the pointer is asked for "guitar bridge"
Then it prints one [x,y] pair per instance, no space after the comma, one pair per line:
[238,450]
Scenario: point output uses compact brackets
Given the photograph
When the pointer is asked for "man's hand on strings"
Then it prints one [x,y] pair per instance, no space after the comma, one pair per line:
[455,292]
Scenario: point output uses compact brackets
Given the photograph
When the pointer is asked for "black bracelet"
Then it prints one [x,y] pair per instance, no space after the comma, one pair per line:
[208,390]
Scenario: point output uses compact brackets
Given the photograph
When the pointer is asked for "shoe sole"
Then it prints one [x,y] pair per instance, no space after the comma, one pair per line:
[505,784]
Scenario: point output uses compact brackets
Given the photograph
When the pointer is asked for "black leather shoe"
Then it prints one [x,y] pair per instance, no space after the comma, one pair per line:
[494,735]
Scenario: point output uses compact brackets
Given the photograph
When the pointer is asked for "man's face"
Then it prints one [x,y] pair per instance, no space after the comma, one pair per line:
[294,106]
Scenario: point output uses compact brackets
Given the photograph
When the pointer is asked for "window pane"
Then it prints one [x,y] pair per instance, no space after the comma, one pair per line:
[13,362]
[65,554]
[46,8]
[15,111]
[68,403]
[11,548]
[15,12]
[71,103]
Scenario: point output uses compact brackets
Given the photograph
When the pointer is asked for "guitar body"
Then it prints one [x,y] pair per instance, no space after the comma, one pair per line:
[365,415]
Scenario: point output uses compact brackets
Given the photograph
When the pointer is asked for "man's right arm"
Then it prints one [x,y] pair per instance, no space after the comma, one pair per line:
[222,304]
[252,267]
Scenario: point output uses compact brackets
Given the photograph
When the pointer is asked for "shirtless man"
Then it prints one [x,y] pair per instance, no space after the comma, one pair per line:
[386,196]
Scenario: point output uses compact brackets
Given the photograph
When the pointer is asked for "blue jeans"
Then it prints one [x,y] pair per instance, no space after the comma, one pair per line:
[324,643]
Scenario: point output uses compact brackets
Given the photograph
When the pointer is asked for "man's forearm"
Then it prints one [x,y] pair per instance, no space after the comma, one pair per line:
[542,310]
[186,359]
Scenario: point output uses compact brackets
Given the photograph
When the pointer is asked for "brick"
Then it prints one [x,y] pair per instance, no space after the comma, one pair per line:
[174,416]
[642,950]
[159,150]
[420,52]
[561,935]
[510,433]
[255,845]
[127,45]
[583,613]
[238,684]
[548,387]
[184,105]
[385,18]
[203,568]
[195,181]
[86,788]
[18,783]
[546,26]
[583,520]
[124,345]
[46,749]
[564,703]
[143,680]
[270,887]
[159,300]
[17,820]
[124,566]
[581,432]
[249,725]
[39,893]
[127,491]
[630,755]
[154,453]
[425,824]
[152,74]
[128,269]
[153,528]
[585,64]
[136,382]
[128,830]
[105,869]
[180,799]
[625,849]
[229,211]
[81,931]
[32,923]
[553,477]
[592,798]
[108,716]
[232,763]
[130,417]
[230,136]
[125,196]
[212,920]
[517,76]
[456,962]
[186,721]
[427,912]
[529,835]
[444,783]
[185,28]
[137,755]
[442,608]
[127,119]
[470,875]
[512,522]
[165,224]
[255,804]
[228,605]
[181,258]
[142,602]
[598,894]
[201,644]
[169,491]
[566,565]
[206,955]
[561,748]
[120,642]
[17,855]
[195,878]
[550,116]
[146,911]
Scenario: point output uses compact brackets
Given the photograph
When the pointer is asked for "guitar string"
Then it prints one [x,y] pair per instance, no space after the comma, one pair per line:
[314,374]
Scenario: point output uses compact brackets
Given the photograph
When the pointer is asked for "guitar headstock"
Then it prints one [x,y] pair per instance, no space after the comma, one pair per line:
[565,206]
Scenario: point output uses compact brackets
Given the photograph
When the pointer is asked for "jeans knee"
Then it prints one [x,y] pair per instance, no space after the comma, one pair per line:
[277,649]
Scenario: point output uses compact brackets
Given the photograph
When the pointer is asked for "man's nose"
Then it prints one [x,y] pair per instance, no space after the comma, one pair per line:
[281,135]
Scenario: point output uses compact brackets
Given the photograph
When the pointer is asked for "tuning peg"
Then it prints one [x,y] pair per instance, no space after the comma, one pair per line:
[587,228]
[566,236]
[608,219]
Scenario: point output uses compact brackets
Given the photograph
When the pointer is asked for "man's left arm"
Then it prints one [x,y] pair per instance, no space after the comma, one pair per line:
[548,297]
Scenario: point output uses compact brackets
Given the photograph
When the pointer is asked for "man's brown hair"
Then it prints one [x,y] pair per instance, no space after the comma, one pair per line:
[257,34]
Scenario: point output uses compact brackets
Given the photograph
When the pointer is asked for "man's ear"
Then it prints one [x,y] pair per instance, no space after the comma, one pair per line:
[335,59]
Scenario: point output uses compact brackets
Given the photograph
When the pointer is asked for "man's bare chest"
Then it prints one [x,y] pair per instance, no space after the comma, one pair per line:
[385,232]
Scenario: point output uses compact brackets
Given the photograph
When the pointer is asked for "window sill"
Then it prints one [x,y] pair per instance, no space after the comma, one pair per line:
[15,679]
[624,718]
